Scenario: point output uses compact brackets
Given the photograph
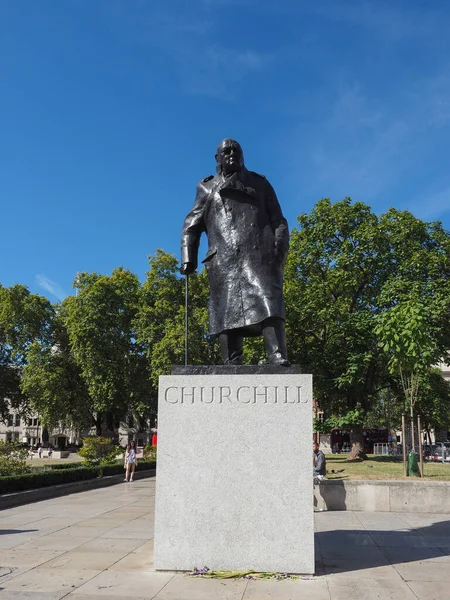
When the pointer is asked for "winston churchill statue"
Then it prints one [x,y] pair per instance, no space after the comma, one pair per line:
[248,240]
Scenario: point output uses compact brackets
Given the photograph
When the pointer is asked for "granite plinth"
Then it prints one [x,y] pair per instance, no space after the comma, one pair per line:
[234,478]
[235,370]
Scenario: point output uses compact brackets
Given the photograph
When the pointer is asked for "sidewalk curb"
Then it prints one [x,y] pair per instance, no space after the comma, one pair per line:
[45,493]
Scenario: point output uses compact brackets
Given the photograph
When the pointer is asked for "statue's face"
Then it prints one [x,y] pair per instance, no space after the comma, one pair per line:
[230,157]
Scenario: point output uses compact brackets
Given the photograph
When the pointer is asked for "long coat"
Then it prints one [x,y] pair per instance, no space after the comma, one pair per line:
[248,240]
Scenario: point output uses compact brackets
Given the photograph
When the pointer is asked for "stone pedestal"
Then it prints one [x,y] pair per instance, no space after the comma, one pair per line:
[234,486]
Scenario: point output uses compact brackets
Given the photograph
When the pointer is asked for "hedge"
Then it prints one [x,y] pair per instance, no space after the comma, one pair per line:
[18,483]
[61,466]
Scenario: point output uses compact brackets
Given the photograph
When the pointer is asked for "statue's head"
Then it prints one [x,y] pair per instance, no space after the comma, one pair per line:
[229,157]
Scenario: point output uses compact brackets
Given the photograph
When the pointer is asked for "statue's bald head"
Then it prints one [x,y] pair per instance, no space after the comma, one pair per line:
[229,157]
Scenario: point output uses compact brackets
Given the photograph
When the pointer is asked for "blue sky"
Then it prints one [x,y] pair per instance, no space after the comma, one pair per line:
[110,112]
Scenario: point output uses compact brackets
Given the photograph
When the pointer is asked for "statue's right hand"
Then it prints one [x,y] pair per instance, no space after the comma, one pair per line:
[187,268]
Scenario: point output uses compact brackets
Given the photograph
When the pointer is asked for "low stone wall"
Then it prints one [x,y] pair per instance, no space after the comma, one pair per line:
[60,454]
[415,495]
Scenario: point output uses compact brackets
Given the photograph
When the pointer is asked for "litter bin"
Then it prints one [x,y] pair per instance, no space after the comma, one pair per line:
[413,466]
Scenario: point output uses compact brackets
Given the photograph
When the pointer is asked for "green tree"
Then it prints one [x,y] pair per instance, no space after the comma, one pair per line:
[433,404]
[53,384]
[345,267]
[12,459]
[24,318]
[410,336]
[334,273]
[98,450]
[385,410]
[413,325]
[100,324]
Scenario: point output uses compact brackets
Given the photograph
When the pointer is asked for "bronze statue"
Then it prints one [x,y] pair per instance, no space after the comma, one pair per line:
[248,240]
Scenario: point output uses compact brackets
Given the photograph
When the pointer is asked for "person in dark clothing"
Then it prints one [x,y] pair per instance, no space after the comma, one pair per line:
[319,462]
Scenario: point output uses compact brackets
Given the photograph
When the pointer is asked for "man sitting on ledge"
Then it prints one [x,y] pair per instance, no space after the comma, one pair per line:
[319,462]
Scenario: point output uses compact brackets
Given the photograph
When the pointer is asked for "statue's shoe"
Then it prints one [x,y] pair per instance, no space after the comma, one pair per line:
[279,360]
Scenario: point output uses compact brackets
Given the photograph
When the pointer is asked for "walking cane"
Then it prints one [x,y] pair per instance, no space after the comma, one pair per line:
[186,298]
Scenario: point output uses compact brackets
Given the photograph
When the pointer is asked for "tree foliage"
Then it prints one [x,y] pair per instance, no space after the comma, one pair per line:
[24,318]
[12,459]
[100,322]
[53,384]
[334,275]
[98,450]
[347,269]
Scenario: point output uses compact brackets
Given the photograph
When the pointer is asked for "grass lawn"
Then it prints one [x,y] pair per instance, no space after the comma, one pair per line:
[43,462]
[381,467]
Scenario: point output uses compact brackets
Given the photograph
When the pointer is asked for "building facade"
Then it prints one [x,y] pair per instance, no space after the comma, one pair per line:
[30,431]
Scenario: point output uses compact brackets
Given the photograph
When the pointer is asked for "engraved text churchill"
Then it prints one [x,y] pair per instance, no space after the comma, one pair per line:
[244,394]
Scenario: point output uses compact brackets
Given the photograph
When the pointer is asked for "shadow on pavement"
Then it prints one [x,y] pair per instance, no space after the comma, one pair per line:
[347,550]
[10,531]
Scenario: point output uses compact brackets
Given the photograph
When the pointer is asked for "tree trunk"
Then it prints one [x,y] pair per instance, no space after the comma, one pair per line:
[411,415]
[110,421]
[45,435]
[98,425]
[357,442]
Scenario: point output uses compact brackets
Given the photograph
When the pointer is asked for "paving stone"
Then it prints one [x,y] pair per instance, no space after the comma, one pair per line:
[19,521]
[182,587]
[310,589]
[374,589]
[48,580]
[97,561]
[329,521]
[145,547]
[76,596]
[430,590]
[135,561]
[125,584]
[76,531]
[400,554]
[13,595]
[361,571]
[424,571]
[351,564]
[439,541]
[138,533]
[116,545]
[340,537]
[383,522]
[26,557]
[13,540]
[54,542]
[349,552]
[411,540]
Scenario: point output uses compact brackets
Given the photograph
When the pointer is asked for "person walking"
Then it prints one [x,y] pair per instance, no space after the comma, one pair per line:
[130,461]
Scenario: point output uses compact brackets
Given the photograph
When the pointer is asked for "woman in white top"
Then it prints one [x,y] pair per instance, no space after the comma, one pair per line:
[130,461]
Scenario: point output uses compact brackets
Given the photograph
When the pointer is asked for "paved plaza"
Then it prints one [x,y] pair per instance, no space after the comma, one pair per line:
[98,545]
